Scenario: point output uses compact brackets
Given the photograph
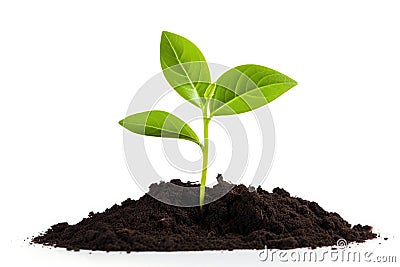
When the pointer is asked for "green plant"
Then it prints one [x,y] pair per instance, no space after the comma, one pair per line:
[241,89]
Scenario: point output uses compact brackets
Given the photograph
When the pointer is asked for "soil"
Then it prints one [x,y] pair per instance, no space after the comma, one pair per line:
[242,219]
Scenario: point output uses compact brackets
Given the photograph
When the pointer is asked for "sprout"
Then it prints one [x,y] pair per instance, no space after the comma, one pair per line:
[240,89]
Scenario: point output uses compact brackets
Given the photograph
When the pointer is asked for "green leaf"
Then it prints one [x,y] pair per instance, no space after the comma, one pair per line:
[184,67]
[209,93]
[247,87]
[159,123]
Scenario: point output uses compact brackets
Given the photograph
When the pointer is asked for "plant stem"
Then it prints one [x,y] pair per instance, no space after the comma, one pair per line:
[204,150]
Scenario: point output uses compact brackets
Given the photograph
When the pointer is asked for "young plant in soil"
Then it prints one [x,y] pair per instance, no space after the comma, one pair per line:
[242,219]
[240,89]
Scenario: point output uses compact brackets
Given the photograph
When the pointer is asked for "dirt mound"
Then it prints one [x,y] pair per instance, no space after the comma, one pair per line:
[242,219]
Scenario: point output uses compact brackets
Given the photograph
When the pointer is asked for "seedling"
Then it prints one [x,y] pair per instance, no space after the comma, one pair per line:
[240,89]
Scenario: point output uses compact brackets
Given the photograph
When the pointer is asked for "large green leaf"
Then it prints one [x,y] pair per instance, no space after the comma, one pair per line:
[184,67]
[159,123]
[246,88]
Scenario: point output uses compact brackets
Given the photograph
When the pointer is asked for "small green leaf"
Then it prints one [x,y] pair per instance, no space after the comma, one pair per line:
[209,93]
[184,67]
[246,88]
[159,123]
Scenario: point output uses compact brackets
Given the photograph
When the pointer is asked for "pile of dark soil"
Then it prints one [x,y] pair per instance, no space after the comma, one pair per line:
[242,219]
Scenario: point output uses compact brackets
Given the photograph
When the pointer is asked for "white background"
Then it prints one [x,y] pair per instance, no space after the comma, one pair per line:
[68,70]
